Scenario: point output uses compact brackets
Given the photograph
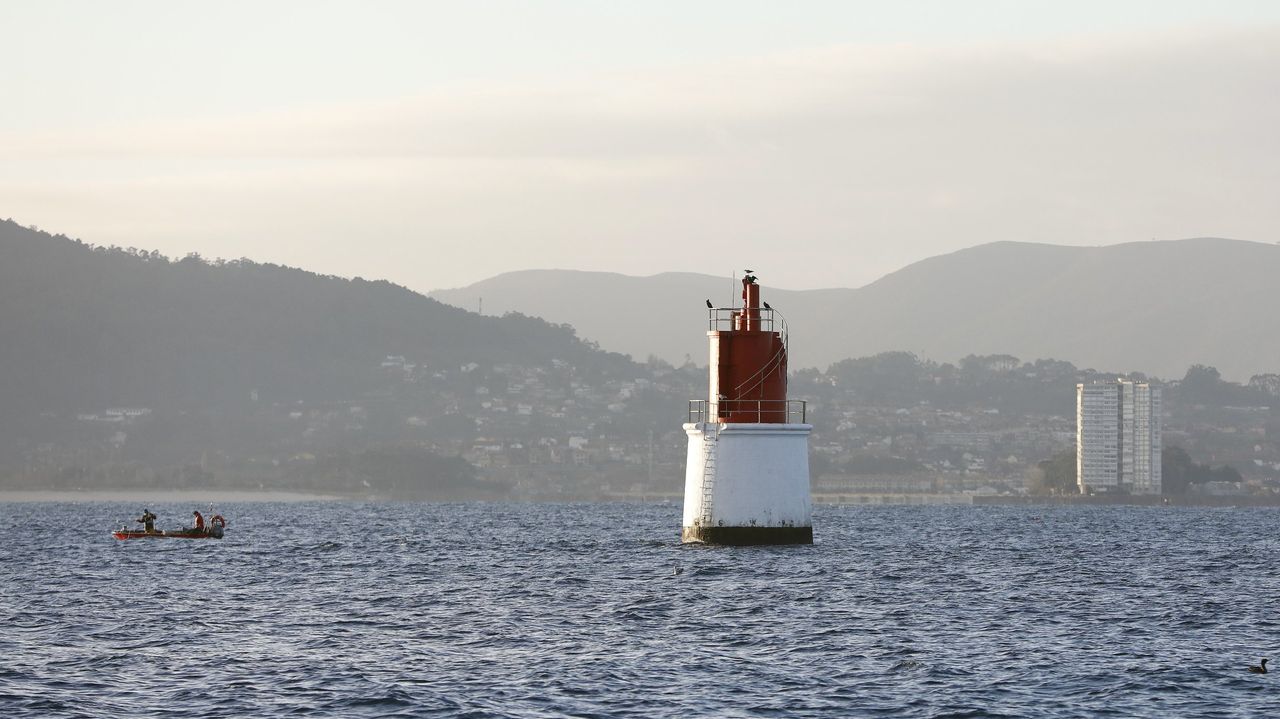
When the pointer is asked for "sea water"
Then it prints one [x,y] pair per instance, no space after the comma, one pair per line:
[541,610]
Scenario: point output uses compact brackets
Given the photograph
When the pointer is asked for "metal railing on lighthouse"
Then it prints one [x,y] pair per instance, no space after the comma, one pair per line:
[793,410]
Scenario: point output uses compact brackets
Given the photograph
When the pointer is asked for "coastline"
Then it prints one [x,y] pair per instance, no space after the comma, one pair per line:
[1133,500]
[191,496]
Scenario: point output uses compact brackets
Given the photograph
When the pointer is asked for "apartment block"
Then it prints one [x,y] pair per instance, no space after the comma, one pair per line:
[1118,438]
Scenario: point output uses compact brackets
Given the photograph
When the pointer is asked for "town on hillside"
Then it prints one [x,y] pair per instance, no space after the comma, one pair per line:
[891,427]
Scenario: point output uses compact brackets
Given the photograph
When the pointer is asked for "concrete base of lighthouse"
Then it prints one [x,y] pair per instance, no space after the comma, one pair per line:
[746,536]
[747,484]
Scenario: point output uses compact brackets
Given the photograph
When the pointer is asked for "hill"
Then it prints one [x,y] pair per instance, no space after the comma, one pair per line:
[1155,307]
[89,326]
[221,354]
[661,315]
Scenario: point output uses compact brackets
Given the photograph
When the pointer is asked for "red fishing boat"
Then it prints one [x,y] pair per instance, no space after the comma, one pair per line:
[213,531]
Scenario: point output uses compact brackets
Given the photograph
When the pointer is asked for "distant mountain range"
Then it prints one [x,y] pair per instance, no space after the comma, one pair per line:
[1156,307]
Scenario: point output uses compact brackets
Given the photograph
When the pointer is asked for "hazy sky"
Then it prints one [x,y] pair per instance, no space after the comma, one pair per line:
[821,143]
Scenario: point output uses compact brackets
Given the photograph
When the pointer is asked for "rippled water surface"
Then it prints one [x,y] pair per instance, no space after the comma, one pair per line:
[409,610]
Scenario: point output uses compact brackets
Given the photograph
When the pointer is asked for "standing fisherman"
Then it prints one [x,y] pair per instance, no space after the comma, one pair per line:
[148,521]
[199,521]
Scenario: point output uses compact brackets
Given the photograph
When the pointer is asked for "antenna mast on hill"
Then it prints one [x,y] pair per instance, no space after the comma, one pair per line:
[479,305]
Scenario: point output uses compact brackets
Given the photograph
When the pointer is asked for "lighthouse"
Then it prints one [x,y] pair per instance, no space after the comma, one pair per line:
[747,471]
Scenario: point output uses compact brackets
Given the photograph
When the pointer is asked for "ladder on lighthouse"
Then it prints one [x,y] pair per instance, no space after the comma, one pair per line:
[710,438]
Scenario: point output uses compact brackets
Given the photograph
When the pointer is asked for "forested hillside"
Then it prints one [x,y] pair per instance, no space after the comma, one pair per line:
[122,367]
[86,327]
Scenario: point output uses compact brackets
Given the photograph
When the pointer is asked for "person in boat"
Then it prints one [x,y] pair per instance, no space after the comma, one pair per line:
[148,521]
[199,520]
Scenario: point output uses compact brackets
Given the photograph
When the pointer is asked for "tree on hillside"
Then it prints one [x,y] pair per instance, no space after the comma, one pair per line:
[1267,384]
[1204,385]
[1056,475]
[1179,473]
[886,378]
[981,365]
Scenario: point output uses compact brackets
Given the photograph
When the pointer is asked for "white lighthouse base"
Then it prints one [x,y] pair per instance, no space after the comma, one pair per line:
[747,484]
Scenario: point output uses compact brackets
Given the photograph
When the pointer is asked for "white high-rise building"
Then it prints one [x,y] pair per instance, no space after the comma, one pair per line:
[1118,440]
[1098,437]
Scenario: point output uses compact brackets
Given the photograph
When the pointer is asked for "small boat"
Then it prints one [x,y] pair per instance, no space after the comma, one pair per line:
[213,531]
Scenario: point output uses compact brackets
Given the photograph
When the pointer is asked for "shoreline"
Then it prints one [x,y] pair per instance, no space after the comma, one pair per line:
[193,496]
[1103,500]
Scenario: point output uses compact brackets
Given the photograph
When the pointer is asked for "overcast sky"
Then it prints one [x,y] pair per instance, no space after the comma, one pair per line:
[823,144]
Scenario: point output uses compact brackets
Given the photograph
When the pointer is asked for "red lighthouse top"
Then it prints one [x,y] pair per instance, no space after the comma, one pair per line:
[748,361]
